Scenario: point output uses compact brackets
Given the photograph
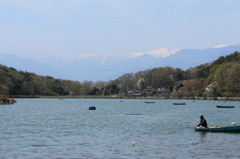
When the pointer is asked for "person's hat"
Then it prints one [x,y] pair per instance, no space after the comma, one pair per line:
[201,116]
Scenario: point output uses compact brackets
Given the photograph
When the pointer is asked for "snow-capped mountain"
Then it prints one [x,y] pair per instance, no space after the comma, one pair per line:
[106,59]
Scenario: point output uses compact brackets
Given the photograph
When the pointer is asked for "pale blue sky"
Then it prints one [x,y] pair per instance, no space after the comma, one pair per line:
[40,28]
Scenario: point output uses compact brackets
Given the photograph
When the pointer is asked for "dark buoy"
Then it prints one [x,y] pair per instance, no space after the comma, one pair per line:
[92,108]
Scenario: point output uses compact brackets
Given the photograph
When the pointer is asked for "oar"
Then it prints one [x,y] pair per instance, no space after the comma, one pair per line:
[181,128]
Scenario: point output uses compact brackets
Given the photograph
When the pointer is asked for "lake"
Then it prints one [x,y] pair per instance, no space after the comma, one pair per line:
[53,128]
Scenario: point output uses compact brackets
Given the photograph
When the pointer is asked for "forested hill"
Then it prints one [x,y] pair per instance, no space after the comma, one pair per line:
[223,73]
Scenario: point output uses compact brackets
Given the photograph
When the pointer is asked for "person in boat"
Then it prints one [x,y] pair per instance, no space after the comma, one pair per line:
[203,122]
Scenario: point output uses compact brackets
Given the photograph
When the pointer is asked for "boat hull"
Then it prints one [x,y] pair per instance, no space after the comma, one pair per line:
[220,106]
[231,128]
[179,103]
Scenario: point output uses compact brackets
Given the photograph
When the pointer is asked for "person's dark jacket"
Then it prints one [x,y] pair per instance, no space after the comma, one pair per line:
[203,122]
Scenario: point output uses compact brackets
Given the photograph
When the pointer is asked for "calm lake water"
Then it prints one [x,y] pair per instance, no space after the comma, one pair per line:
[52,128]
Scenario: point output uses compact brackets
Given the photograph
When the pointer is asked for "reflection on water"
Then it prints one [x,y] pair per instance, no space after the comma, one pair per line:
[203,136]
[52,128]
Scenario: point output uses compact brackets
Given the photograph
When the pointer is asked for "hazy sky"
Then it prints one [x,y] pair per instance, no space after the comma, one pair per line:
[41,28]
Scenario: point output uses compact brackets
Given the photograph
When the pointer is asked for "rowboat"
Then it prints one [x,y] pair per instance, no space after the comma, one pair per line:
[179,103]
[133,114]
[230,128]
[221,106]
[149,102]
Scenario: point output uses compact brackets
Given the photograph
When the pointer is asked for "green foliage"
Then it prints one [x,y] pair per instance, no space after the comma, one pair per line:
[111,88]
[26,83]
[95,91]
[48,92]
[59,90]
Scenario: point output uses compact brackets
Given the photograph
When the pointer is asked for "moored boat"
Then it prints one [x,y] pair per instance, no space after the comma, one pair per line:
[222,106]
[230,128]
[149,102]
[179,103]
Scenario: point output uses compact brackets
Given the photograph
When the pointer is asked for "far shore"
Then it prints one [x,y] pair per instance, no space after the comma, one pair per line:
[124,97]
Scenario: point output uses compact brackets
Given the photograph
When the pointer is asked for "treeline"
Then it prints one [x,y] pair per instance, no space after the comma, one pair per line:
[223,73]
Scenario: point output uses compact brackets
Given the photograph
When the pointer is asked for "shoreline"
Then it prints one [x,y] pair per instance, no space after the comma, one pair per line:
[125,97]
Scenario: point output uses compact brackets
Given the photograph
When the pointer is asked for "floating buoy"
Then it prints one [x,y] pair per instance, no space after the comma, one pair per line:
[192,143]
[133,143]
[92,108]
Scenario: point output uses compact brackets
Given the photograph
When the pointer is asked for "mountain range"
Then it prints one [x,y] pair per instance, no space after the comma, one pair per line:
[94,67]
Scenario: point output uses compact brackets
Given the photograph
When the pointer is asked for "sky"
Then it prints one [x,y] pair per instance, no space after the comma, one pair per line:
[41,28]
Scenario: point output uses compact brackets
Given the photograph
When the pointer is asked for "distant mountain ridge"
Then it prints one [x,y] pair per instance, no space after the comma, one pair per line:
[105,67]
[108,59]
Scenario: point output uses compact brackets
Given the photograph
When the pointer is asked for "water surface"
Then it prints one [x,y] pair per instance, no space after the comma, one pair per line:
[52,128]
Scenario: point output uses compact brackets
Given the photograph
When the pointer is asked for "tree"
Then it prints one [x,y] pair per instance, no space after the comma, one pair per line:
[3,90]
[111,88]
[77,88]
[188,74]
[127,81]
[141,84]
[87,86]
[221,76]
[94,91]
[100,85]
[233,84]
[162,77]
[178,74]
[48,92]
[194,89]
